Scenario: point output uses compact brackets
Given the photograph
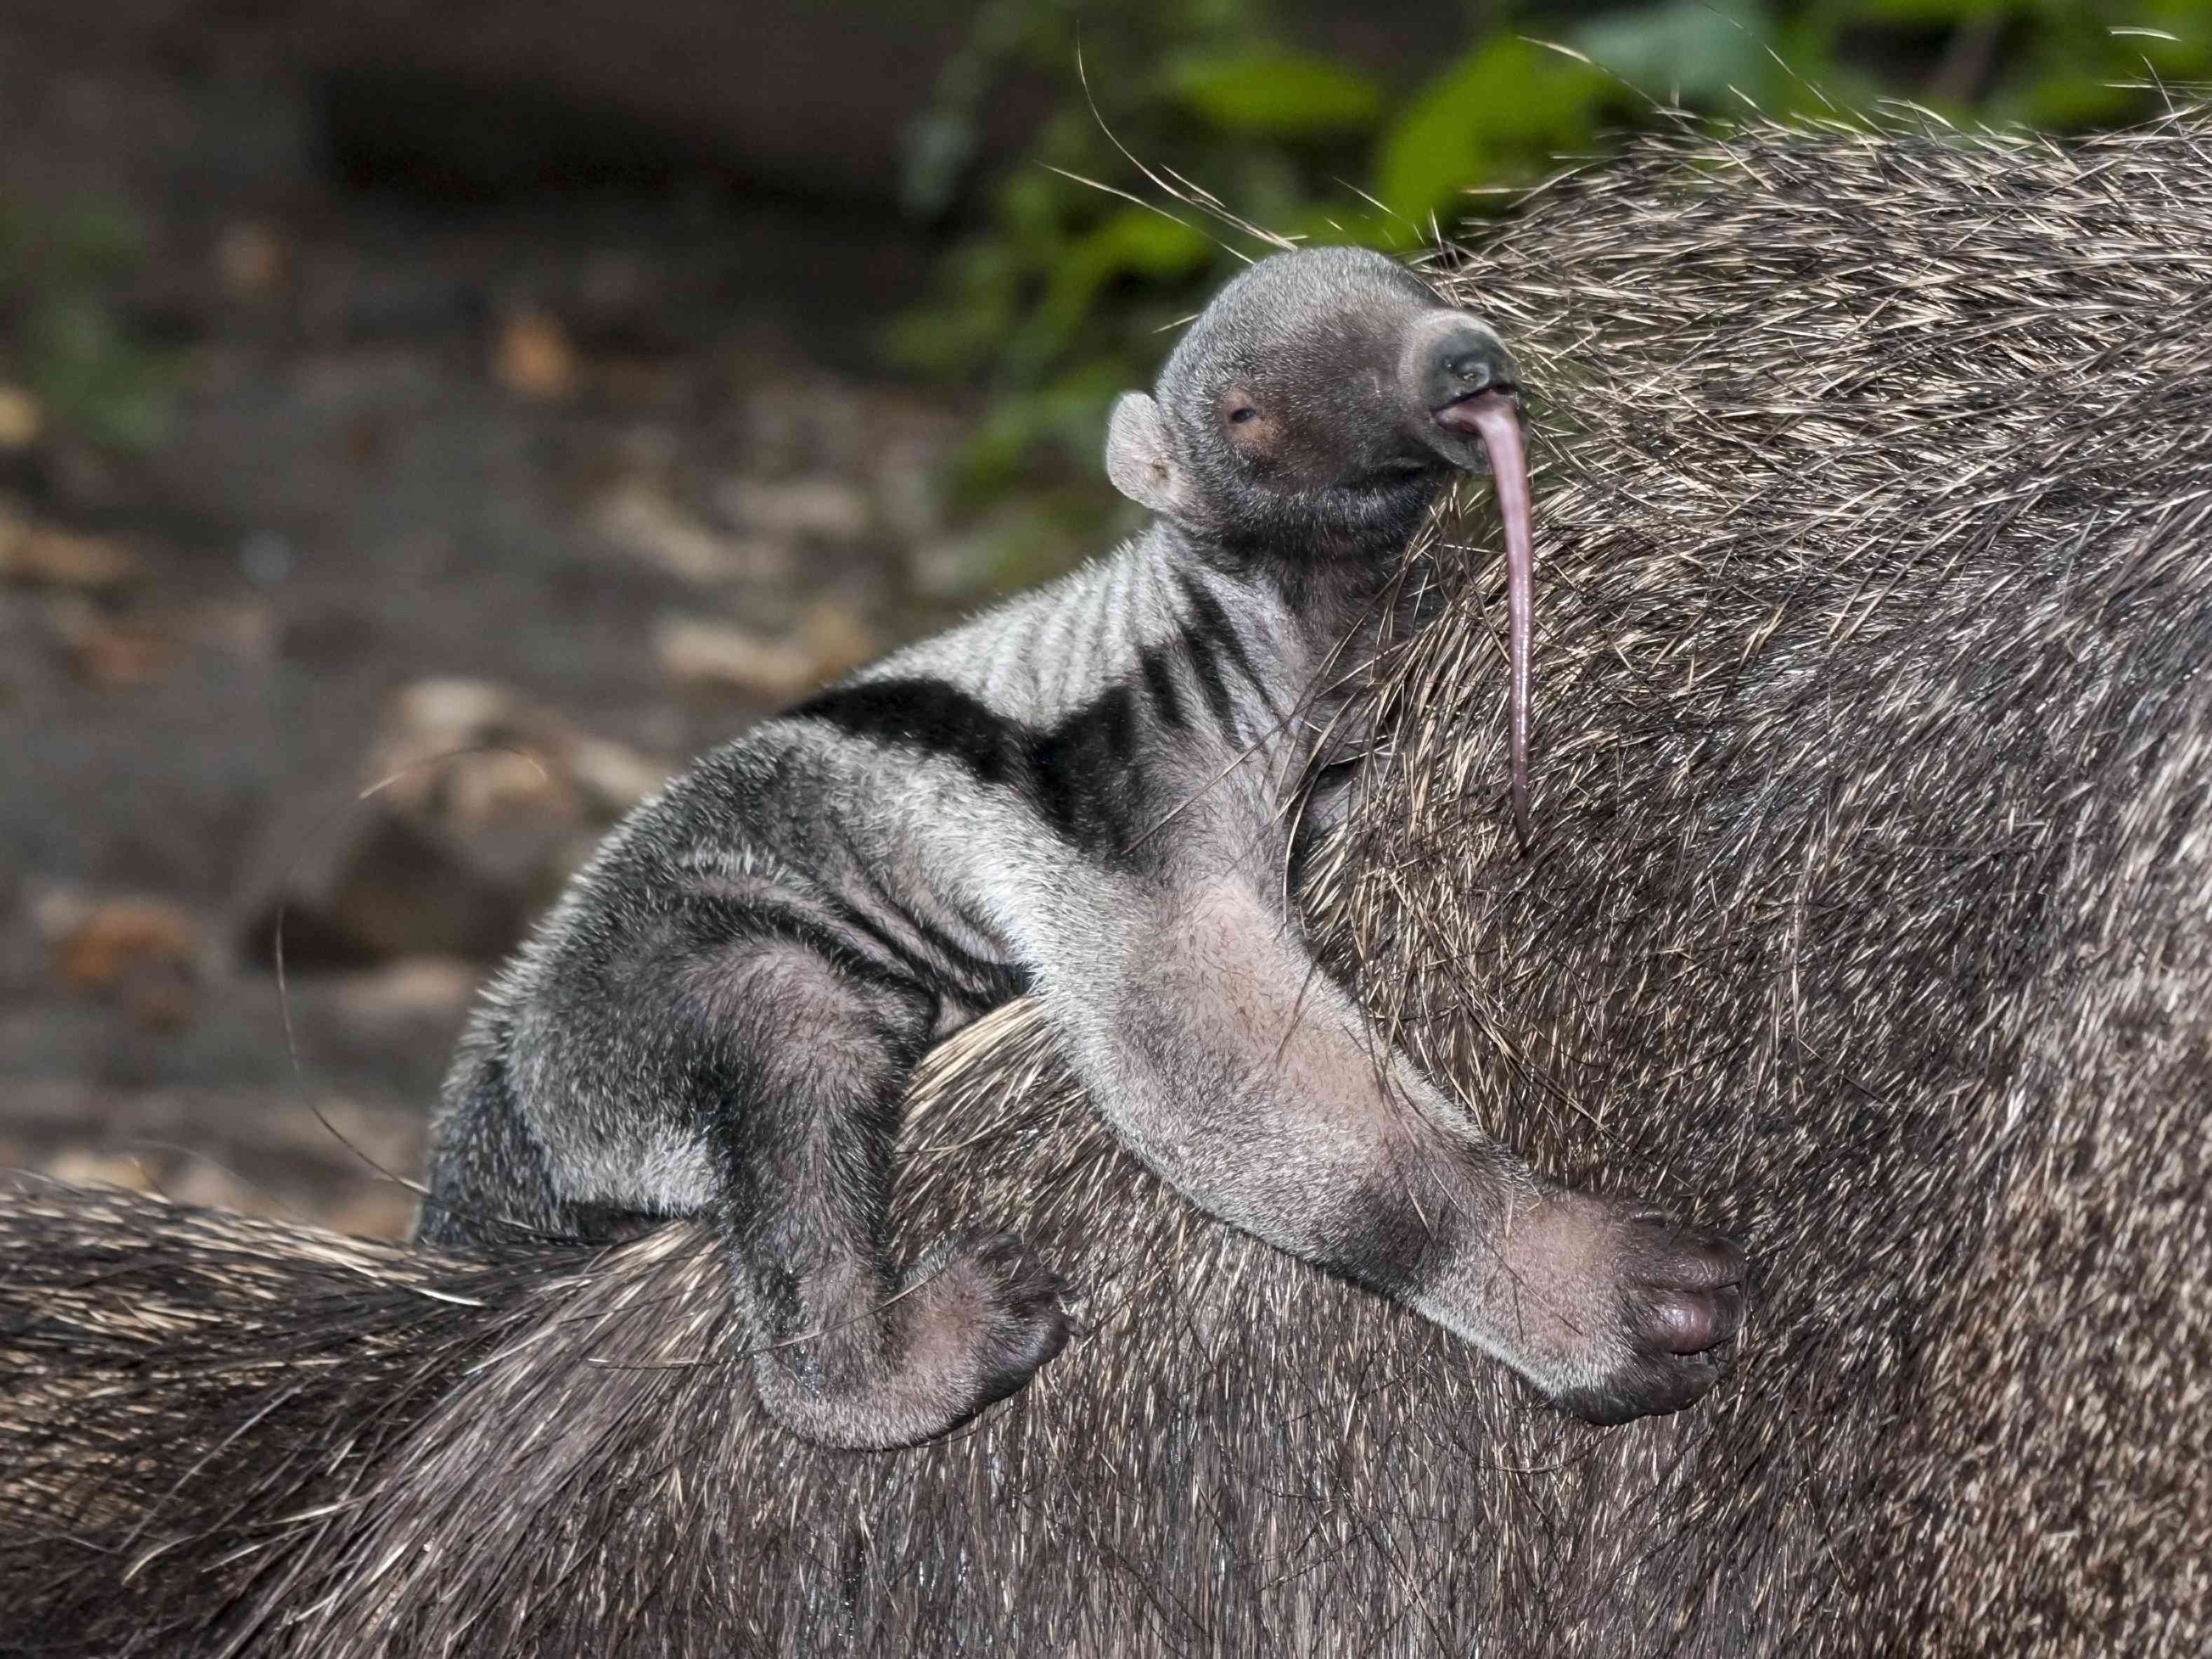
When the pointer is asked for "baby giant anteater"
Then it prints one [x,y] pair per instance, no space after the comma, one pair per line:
[1085,796]
[1871,910]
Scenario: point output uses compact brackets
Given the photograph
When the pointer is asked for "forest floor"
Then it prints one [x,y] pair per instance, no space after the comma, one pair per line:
[515,505]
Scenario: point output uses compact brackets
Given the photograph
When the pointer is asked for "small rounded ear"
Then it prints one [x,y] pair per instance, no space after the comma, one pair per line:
[1139,458]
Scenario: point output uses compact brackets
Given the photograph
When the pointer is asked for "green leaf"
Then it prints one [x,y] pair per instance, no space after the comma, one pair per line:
[2066,101]
[1067,414]
[2182,18]
[1132,241]
[1345,218]
[1686,48]
[1494,116]
[1274,93]
[98,381]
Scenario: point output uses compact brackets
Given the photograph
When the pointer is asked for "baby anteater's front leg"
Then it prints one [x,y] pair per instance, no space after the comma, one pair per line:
[1247,1080]
[810,1057]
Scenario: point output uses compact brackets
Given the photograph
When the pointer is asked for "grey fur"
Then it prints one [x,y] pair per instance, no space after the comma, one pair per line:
[1872,912]
[1086,795]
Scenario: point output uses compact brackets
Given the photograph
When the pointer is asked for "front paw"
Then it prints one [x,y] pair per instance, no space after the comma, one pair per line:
[1678,1292]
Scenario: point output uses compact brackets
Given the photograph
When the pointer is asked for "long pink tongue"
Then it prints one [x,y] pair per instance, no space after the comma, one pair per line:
[1491,413]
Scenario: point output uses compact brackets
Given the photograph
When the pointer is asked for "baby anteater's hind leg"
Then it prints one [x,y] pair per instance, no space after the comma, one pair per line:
[819,1055]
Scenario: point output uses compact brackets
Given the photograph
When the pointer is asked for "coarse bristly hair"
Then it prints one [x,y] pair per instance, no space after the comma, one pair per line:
[1871,909]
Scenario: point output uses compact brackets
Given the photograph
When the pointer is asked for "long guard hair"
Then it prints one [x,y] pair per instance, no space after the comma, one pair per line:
[1876,723]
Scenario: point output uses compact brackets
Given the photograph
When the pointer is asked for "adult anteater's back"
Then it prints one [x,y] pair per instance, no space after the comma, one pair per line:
[1877,913]
[1872,916]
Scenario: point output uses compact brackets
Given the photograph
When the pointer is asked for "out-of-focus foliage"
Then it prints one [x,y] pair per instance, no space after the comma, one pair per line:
[1059,293]
[64,337]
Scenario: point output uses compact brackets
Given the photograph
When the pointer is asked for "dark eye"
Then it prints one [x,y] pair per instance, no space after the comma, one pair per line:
[1240,416]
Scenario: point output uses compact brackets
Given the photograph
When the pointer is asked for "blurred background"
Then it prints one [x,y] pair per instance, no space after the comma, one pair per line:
[492,403]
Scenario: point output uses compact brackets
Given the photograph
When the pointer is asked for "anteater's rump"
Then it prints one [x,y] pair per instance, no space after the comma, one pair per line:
[1870,917]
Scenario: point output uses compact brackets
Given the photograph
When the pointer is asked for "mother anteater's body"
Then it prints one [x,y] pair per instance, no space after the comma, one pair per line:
[1872,915]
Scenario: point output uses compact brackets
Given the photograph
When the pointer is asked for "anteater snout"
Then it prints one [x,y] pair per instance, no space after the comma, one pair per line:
[1467,360]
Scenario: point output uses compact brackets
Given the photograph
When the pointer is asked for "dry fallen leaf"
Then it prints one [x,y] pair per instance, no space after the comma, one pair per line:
[141,952]
[534,359]
[644,521]
[20,418]
[33,552]
[118,935]
[708,651]
[107,651]
[249,261]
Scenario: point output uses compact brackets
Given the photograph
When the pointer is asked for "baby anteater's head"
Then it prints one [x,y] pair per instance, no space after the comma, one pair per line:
[1310,416]
[1312,410]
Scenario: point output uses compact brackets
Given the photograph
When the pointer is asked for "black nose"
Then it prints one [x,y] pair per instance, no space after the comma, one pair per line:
[1466,361]
[1476,368]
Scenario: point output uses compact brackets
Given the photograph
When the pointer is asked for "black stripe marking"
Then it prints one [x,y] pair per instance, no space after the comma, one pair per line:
[1214,621]
[752,921]
[1083,777]
[926,714]
[1159,683]
[1206,665]
[851,920]
[939,957]
[1080,773]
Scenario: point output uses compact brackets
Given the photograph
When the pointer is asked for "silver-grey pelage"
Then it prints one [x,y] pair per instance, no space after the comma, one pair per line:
[1096,794]
[1870,913]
